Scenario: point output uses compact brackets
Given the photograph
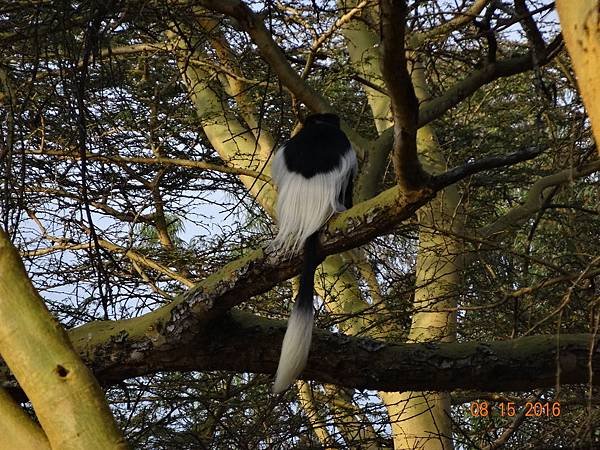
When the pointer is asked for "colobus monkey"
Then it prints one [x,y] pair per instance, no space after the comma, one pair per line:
[313,172]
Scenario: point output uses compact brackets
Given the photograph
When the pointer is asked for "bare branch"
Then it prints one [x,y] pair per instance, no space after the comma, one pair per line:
[491,162]
[145,261]
[323,37]
[270,51]
[535,38]
[162,161]
[253,24]
[441,31]
[512,428]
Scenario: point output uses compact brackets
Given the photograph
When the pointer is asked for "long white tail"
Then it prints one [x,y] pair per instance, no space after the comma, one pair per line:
[296,344]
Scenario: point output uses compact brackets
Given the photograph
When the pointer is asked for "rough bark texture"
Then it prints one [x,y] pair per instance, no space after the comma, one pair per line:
[243,342]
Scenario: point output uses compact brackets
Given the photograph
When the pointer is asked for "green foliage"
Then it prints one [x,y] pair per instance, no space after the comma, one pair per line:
[192,221]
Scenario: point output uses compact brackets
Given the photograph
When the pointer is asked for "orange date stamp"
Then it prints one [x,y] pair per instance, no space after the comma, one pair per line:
[511,409]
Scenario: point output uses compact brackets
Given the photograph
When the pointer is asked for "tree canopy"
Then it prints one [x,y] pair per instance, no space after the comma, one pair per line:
[459,303]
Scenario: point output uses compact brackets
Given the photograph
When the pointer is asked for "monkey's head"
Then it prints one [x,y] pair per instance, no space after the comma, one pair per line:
[325,118]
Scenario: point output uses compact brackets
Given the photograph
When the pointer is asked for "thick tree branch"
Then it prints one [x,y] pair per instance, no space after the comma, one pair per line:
[405,106]
[258,272]
[244,342]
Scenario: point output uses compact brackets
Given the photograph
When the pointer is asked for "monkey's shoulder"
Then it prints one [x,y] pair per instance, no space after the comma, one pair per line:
[316,149]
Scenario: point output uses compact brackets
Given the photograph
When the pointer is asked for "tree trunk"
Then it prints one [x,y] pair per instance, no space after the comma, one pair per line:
[580,22]
[65,395]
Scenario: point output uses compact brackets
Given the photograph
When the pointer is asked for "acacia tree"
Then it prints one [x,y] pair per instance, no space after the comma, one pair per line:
[135,155]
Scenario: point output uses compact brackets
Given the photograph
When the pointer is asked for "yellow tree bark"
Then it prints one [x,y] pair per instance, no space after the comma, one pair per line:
[237,146]
[17,430]
[580,22]
[65,395]
[419,419]
[422,419]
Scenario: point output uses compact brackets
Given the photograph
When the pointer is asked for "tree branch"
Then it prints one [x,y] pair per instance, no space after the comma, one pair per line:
[405,106]
[535,199]
[492,162]
[441,31]
[326,35]
[18,429]
[434,108]
[243,342]
[253,24]
[162,161]
[65,396]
